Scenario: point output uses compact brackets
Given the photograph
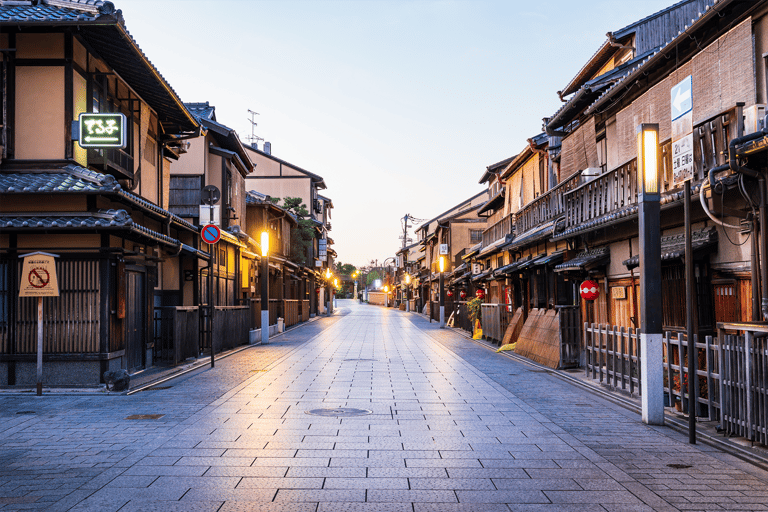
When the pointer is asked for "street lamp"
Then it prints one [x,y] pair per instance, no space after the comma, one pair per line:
[407,292]
[442,292]
[651,369]
[264,287]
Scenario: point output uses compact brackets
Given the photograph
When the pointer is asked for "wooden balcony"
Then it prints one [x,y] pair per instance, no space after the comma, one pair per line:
[498,230]
[116,162]
[546,207]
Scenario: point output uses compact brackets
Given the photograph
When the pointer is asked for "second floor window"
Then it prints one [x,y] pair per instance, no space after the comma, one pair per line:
[475,236]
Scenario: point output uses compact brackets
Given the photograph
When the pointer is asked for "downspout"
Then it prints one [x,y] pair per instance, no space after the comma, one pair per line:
[735,167]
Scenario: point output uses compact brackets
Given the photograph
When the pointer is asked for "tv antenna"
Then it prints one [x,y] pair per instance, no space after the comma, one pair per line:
[253,138]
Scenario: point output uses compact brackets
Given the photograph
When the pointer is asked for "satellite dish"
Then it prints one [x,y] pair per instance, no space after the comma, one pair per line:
[211,194]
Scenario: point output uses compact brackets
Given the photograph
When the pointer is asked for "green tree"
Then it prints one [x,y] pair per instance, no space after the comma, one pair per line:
[345,269]
[303,233]
[372,276]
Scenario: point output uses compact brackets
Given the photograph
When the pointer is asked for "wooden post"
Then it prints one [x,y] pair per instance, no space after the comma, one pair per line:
[39,346]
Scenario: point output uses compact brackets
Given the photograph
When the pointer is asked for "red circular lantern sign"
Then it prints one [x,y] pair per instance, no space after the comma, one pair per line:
[449,293]
[589,290]
[480,293]
[463,294]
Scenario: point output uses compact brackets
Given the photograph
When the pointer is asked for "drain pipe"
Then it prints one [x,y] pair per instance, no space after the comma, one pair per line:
[735,167]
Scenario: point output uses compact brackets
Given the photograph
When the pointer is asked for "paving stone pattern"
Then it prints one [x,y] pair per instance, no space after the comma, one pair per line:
[454,427]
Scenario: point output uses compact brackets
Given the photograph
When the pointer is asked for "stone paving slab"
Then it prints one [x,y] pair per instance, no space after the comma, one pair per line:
[454,427]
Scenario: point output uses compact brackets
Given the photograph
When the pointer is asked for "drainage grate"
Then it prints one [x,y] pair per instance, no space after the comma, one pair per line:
[157,388]
[361,360]
[679,466]
[343,412]
[26,412]
[145,416]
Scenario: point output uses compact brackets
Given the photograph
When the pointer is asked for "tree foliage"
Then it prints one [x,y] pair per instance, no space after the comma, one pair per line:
[303,233]
[345,269]
[372,276]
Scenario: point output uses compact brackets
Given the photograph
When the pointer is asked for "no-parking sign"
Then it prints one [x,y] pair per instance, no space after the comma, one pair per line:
[211,234]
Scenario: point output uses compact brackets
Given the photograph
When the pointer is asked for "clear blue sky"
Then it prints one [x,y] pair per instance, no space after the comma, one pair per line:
[399,105]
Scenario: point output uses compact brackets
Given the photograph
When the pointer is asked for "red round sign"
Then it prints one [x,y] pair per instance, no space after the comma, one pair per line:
[589,290]
[210,234]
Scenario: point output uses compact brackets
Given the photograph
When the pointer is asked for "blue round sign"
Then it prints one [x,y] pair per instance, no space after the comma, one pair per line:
[211,234]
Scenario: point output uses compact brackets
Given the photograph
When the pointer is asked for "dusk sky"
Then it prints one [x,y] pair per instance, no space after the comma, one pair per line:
[399,105]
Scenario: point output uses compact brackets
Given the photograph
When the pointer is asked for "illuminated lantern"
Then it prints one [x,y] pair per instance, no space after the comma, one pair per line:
[463,294]
[589,290]
[317,290]
[449,293]
[480,293]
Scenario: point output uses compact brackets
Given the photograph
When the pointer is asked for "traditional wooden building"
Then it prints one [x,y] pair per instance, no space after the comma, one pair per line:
[104,212]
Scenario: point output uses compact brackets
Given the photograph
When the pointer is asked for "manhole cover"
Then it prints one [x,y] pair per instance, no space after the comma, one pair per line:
[679,466]
[360,360]
[145,416]
[343,412]
[26,412]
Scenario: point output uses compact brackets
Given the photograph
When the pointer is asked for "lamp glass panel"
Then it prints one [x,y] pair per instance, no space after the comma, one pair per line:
[264,243]
[650,163]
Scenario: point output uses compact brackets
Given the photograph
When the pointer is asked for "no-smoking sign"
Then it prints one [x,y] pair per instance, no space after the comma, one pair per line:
[39,276]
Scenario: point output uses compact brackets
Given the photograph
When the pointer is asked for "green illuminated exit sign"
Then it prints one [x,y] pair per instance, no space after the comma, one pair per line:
[102,130]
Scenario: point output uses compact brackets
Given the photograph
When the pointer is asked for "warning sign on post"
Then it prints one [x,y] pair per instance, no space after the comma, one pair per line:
[38,276]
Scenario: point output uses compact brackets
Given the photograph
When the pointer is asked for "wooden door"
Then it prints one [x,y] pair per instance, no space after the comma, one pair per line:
[135,319]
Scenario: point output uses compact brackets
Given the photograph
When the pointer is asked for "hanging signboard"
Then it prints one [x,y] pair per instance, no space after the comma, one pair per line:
[681,104]
[102,130]
[443,249]
[38,276]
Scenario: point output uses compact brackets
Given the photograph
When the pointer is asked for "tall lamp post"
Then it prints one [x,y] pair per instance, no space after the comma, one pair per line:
[442,292]
[330,292]
[264,287]
[651,369]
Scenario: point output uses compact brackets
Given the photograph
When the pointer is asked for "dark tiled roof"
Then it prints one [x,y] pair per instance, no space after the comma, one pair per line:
[673,246]
[586,259]
[77,221]
[73,179]
[80,11]
[202,110]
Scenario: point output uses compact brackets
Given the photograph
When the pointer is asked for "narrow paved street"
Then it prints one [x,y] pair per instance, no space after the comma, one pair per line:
[453,427]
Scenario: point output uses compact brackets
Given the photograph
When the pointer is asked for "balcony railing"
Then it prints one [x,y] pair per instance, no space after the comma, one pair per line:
[546,207]
[498,230]
[116,162]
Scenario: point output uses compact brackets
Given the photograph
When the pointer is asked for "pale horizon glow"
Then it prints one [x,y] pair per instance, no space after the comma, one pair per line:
[398,105]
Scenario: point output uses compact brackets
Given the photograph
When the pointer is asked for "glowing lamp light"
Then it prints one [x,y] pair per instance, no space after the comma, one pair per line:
[264,243]
[442,263]
[386,289]
[336,282]
[407,279]
[328,273]
[648,158]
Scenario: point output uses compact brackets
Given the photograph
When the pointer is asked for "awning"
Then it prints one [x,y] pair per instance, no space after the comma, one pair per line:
[464,278]
[195,252]
[550,259]
[536,234]
[232,239]
[532,262]
[482,275]
[494,247]
[472,251]
[493,203]
[673,247]
[586,260]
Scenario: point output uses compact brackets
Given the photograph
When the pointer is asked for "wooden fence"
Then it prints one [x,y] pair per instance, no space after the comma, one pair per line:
[230,326]
[304,310]
[177,333]
[291,312]
[744,385]
[613,359]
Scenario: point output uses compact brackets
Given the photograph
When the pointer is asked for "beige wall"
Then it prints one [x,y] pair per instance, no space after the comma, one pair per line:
[194,161]
[528,173]
[40,122]
[39,46]
[282,188]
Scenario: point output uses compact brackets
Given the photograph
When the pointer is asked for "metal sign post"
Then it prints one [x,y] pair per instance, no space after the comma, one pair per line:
[39,280]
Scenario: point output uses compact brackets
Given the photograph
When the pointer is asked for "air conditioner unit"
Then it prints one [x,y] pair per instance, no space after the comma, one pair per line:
[754,118]
[590,173]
